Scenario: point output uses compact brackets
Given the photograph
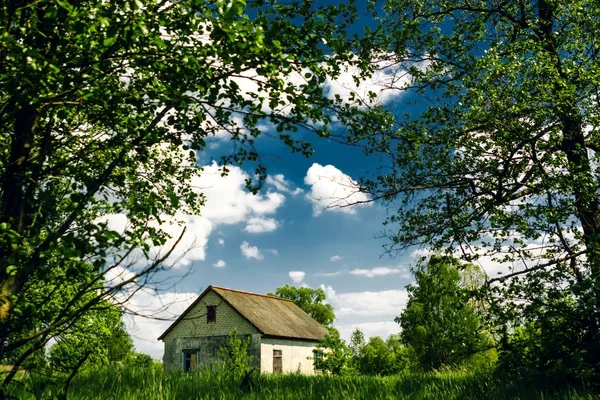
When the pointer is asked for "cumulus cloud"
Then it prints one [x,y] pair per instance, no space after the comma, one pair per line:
[296,276]
[283,185]
[145,327]
[149,313]
[259,225]
[227,203]
[380,271]
[191,246]
[219,264]
[382,87]
[250,251]
[333,190]
[366,304]
[335,258]
[225,133]
[116,276]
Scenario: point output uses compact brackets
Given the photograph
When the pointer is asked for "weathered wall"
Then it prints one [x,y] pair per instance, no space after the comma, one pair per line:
[193,332]
[297,356]
[206,349]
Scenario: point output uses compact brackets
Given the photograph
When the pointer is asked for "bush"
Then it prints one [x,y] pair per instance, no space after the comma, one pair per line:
[140,360]
[234,357]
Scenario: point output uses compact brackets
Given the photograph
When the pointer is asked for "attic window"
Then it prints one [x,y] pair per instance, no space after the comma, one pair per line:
[211,314]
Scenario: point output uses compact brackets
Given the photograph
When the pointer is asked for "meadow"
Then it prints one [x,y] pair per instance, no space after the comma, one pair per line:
[153,384]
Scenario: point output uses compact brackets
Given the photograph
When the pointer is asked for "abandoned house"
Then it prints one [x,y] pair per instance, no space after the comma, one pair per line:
[282,336]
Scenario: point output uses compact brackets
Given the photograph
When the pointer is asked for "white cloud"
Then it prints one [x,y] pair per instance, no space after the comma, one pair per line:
[367,304]
[221,134]
[273,251]
[296,276]
[281,184]
[259,225]
[336,273]
[191,246]
[386,83]
[250,251]
[332,190]
[116,276]
[219,264]
[380,271]
[227,202]
[146,328]
[149,313]
[335,258]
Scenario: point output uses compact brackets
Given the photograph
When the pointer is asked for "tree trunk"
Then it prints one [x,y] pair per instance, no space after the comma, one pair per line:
[14,183]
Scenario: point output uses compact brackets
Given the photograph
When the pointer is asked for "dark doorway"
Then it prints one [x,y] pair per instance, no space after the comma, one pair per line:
[277,361]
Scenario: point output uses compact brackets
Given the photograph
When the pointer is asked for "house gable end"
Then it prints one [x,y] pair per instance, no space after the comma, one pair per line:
[193,321]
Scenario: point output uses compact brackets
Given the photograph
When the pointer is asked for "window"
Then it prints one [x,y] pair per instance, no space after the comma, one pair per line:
[190,360]
[318,359]
[211,314]
[277,361]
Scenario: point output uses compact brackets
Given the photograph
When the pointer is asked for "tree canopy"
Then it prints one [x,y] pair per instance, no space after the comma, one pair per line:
[312,301]
[499,159]
[332,354]
[104,110]
[438,322]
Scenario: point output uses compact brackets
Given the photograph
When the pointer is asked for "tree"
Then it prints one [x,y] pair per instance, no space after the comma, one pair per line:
[312,301]
[120,345]
[332,355]
[375,358]
[404,355]
[502,161]
[96,340]
[105,108]
[357,342]
[378,357]
[140,360]
[438,321]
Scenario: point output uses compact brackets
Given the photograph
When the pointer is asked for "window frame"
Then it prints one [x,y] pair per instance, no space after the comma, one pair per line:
[190,353]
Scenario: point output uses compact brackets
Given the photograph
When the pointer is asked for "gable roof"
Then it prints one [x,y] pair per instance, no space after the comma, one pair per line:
[272,316]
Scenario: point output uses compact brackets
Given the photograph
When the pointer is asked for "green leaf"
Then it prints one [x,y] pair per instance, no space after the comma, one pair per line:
[236,8]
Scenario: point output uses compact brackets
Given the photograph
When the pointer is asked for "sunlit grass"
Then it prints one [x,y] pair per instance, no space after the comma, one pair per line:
[152,384]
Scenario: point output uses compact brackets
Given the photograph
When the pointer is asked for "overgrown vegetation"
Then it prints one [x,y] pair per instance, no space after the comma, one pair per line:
[153,384]
[234,358]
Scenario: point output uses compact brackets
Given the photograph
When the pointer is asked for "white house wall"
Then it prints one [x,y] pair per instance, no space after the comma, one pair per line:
[297,356]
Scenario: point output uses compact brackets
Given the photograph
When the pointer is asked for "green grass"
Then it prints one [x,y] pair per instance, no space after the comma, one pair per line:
[154,384]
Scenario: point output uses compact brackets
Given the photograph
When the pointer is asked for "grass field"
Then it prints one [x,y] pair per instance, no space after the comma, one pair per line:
[154,384]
